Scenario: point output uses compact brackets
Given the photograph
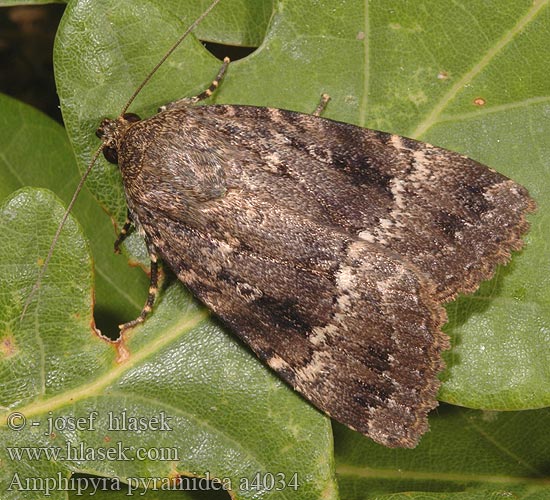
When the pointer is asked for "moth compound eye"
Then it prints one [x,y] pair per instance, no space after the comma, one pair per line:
[110,154]
[131,117]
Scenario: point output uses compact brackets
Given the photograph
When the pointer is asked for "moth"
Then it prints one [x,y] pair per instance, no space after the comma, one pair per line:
[329,249]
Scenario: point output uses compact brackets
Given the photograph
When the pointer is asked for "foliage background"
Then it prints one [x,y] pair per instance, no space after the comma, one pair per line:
[471,77]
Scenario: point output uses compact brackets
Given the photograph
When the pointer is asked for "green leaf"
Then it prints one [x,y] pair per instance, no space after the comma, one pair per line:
[201,493]
[237,22]
[225,415]
[468,454]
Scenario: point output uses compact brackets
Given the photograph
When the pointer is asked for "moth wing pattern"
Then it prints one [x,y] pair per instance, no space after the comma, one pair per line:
[329,331]
[326,247]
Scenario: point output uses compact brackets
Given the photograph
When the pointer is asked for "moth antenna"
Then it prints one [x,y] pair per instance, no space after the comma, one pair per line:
[167,55]
[70,206]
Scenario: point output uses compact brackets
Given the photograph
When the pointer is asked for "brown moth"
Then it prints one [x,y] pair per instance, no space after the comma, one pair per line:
[328,248]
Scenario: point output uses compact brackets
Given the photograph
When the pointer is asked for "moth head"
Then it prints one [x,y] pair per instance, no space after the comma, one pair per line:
[110,132]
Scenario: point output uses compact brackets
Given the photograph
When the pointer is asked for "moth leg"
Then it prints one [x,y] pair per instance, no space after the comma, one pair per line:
[325,98]
[186,101]
[124,232]
[151,297]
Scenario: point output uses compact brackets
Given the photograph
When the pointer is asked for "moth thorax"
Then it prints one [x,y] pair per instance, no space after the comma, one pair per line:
[110,132]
